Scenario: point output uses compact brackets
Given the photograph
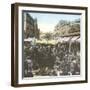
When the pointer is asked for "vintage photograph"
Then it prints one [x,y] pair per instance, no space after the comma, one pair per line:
[51,44]
[48,44]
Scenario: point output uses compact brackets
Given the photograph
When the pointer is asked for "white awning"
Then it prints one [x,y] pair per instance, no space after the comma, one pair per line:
[78,40]
[74,38]
[64,39]
[71,39]
[29,39]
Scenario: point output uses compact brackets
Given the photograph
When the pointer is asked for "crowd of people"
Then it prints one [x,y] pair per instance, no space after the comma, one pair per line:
[52,60]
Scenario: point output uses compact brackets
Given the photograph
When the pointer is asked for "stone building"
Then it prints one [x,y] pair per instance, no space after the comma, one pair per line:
[30,27]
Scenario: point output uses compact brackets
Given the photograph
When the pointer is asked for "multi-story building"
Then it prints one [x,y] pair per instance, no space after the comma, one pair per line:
[30,27]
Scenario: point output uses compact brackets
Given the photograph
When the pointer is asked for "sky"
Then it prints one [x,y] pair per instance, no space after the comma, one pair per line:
[47,21]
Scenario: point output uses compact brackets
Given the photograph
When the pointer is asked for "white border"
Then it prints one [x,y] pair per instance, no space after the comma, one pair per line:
[50,79]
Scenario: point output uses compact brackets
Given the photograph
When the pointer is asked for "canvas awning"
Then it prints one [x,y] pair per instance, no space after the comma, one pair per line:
[64,39]
[28,39]
[78,40]
[74,38]
[67,39]
[71,39]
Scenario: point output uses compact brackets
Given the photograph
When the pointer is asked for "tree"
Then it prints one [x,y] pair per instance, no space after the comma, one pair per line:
[48,36]
[65,27]
[74,28]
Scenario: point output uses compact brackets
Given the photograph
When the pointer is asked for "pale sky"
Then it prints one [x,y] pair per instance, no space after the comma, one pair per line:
[47,21]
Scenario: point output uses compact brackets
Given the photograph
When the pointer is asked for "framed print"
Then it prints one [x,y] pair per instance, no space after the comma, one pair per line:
[48,44]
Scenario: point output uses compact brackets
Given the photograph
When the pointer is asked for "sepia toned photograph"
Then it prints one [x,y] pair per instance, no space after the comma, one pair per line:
[49,44]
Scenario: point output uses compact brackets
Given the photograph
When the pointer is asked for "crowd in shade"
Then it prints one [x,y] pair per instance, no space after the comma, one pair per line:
[52,60]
